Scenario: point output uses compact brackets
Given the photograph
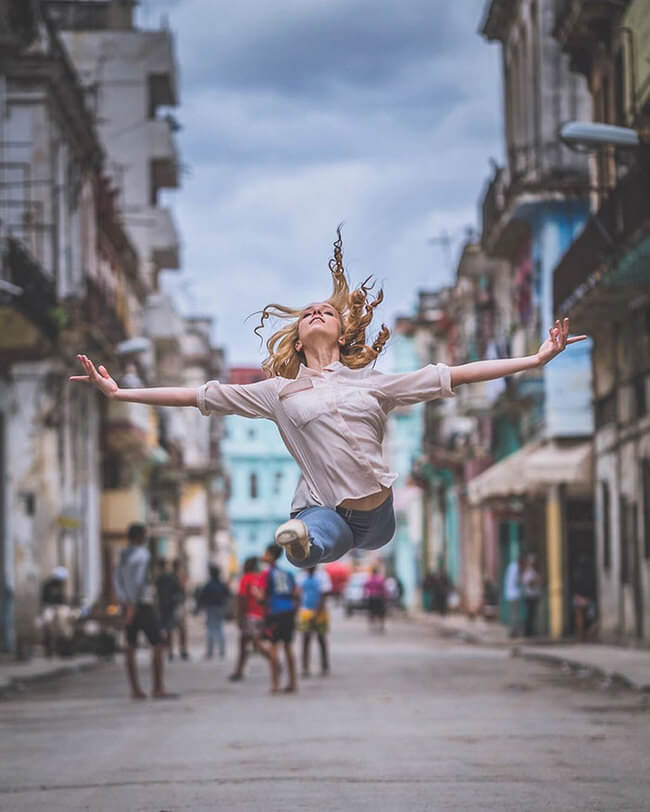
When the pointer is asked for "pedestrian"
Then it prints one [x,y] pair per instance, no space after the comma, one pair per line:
[281,599]
[583,597]
[136,592]
[313,619]
[531,590]
[512,591]
[374,591]
[330,405]
[57,618]
[180,615]
[213,600]
[250,616]
[444,586]
[168,590]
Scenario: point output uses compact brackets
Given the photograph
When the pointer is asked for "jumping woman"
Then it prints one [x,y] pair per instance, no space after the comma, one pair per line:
[330,406]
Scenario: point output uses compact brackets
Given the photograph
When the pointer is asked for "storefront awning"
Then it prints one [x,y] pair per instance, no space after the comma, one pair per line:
[533,468]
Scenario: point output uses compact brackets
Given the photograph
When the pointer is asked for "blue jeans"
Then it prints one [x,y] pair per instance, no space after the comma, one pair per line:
[333,533]
[214,616]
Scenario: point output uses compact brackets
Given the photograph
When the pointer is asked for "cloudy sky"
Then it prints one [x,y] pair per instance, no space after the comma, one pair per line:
[299,114]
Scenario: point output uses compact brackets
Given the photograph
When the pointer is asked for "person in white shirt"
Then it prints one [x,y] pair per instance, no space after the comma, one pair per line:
[330,406]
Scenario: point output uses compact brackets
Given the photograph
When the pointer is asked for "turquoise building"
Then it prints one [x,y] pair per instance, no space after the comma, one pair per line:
[262,477]
[404,447]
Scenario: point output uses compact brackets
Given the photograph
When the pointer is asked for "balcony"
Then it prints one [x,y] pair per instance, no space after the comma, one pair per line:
[101,314]
[582,25]
[161,65]
[120,507]
[164,240]
[30,319]
[594,270]
[534,173]
[130,428]
[163,155]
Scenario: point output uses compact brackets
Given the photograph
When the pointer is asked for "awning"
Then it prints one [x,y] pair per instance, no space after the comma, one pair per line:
[532,468]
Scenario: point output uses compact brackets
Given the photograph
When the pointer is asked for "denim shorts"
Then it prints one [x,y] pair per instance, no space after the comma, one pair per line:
[334,532]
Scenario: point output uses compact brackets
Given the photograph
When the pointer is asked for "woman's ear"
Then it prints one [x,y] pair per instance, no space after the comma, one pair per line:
[341,341]
[298,346]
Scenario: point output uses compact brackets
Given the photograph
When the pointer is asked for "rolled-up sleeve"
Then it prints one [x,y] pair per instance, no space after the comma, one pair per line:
[257,399]
[406,388]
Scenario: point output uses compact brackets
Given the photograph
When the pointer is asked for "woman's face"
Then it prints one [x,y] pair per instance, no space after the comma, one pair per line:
[319,321]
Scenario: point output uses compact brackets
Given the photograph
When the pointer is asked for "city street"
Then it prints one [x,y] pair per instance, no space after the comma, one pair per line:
[407,721]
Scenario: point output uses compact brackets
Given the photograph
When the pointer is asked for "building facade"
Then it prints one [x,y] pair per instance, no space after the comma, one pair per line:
[603,284]
[69,281]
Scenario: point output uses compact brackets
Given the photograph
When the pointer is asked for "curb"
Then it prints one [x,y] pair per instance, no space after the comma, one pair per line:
[575,665]
[17,684]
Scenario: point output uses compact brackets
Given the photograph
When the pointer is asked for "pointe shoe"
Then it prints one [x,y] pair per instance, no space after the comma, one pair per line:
[293,536]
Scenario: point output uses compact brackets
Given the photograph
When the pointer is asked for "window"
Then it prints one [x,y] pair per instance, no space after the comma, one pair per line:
[645,495]
[253,489]
[277,482]
[605,513]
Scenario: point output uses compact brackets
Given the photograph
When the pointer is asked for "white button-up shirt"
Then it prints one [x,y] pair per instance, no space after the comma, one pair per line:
[332,422]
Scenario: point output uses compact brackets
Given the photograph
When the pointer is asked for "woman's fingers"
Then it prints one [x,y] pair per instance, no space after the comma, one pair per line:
[573,339]
[84,378]
[103,371]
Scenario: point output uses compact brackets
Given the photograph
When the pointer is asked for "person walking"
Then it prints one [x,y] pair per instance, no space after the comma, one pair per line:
[330,405]
[280,596]
[250,616]
[512,591]
[531,589]
[180,615]
[213,599]
[374,591]
[136,592]
[313,618]
[168,589]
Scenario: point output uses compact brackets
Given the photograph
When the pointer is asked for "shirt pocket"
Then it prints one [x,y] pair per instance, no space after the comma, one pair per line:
[358,403]
[304,406]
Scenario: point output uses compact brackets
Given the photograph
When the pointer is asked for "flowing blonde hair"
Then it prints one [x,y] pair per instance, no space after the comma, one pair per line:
[355,310]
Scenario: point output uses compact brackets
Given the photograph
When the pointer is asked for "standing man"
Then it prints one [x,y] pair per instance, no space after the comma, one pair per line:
[512,590]
[212,600]
[281,597]
[136,592]
[314,617]
[180,620]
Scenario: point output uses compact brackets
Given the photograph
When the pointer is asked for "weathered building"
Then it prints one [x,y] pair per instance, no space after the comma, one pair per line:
[603,284]
[532,209]
[68,282]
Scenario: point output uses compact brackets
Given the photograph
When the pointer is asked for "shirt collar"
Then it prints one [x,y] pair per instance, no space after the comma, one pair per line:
[304,371]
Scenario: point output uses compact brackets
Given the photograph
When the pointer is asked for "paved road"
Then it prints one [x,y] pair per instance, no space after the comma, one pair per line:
[405,722]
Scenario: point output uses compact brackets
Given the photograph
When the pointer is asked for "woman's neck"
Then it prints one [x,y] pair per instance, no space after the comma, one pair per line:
[321,357]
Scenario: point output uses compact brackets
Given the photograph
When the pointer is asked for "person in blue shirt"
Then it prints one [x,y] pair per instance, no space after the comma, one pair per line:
[281,600]
[313,617]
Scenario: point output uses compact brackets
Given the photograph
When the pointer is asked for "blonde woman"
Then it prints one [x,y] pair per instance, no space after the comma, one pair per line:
[330,406]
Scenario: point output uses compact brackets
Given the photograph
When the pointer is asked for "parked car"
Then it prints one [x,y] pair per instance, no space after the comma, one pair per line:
[353,597]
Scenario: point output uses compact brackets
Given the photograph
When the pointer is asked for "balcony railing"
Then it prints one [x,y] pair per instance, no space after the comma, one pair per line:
[625,212]
[38,300]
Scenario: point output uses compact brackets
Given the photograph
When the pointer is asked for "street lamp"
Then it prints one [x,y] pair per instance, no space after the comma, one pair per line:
[583,135]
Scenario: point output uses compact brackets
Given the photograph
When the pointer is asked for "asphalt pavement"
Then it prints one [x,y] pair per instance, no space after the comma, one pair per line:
[406,721]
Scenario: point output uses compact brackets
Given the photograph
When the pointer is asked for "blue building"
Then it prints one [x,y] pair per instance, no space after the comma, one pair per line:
[261,473]
[404,432]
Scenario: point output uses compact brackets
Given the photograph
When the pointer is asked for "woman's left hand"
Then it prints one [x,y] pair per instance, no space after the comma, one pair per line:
[556,342]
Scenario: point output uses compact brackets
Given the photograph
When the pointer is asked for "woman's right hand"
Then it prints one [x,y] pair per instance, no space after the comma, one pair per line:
[99,377]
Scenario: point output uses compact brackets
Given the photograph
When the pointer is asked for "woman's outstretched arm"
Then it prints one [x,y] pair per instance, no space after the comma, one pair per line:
[160,396]
[499,368]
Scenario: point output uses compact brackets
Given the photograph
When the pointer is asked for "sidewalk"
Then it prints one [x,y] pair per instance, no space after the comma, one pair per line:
[14,675]
[616,663]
